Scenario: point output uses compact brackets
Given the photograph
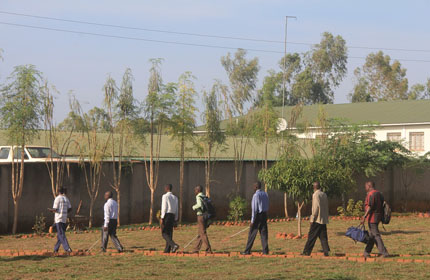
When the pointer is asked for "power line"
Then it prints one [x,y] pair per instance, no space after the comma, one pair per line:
[200,34]
[170,42]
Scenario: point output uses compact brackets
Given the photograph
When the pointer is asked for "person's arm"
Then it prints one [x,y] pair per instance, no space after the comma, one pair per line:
[69,206]
[176,210]
[253,209]
[368,209]
[163,207]
[54,207]
[199,204]
[315,208]
[107,216]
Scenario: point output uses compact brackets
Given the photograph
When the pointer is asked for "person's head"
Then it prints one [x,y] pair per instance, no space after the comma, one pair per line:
[108,194]
[316,185]
[369,185]
[62,190]
[257,186]
[168,188]
[198,189]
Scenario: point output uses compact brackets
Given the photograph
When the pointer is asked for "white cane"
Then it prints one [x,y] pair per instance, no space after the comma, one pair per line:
[190,242]
[93,245]
[237,233]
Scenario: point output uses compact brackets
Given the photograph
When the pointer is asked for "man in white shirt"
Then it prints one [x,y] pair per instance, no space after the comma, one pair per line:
[110,223]
[61,208]
[169,216]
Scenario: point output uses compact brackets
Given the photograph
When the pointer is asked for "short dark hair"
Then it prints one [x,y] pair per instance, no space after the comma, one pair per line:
[200,188]
[317,184]
[371,183]
[110,194]
[169,186]
[62,190]
[257,185]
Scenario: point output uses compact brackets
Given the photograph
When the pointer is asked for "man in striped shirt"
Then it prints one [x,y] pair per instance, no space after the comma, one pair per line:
[260,206]
[61,208]
[110,223]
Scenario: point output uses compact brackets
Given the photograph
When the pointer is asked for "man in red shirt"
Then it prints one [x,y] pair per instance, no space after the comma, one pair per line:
[373,215]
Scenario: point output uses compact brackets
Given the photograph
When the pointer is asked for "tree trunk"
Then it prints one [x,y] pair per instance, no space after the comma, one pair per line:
[208,171]
[286,205]
[90,222]
[118,196]
[299,218]
[181,179]
[15,216]
[151,209]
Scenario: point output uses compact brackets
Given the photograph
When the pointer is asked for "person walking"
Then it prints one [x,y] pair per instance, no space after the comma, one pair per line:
[110,223]
[319,221]
[259,206]
[61,208]
[202,237]
[374,211]
[169,217]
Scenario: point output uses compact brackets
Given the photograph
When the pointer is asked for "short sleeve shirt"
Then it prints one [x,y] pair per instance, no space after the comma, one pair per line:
[62,205]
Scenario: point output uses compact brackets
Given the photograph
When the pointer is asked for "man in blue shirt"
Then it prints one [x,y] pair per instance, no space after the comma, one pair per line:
[260,206]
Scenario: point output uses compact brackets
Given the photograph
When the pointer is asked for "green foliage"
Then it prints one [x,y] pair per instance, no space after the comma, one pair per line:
[237,209]
[380,80]
[39,226]
[353,209]
[22,104]
[212,117]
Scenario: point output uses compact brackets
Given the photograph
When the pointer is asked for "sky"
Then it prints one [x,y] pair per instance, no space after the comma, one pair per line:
[81,63]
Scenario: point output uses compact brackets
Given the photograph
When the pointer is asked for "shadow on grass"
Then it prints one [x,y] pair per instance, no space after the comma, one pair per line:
[23,258]
[341,233]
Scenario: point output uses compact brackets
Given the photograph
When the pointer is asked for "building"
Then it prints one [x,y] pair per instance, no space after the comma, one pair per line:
[405,121]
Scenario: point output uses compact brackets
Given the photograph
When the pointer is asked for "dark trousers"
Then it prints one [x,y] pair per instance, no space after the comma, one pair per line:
[317,231]
[202,238]
[61,237]
[112,233]
[259,225]
[375,237]
[167,231]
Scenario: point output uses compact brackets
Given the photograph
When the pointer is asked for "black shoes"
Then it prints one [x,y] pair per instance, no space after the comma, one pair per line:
[175,248]
[245,253]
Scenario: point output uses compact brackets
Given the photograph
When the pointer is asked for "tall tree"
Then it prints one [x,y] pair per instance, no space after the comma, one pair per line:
[379,79]
[56,141]
[242,74]
[213,136]
[21,114]
[183,124]
[156,107]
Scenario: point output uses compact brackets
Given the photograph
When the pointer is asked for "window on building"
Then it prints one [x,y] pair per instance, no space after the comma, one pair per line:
[394,136]
[4,153]
[416,141]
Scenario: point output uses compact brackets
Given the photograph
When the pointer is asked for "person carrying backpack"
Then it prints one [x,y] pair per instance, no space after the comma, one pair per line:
[374,213]
[202,237]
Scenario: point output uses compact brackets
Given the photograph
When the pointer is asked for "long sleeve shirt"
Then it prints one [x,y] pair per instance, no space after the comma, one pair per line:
[259,204]
[199,204]
[319,208]
[169,204]
[111,211]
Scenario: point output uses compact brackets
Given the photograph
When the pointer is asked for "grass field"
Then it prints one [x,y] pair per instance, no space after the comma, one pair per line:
[406,238]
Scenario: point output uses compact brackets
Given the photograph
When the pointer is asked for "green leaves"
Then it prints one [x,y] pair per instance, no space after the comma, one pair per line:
[22,104]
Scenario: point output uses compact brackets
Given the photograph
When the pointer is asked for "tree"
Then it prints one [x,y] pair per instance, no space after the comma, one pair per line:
[156,107]
[183,124]
[213,136]
[295,175]
[59,142]
[420,91]
[21,114]
[380,80]
[242,75]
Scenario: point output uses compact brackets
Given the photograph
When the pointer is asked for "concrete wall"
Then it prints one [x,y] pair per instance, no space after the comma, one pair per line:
[135,195]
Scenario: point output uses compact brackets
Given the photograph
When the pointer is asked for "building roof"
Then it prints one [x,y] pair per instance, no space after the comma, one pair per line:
[382,112]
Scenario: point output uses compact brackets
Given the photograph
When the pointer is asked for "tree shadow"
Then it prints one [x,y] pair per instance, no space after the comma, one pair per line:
[23,258]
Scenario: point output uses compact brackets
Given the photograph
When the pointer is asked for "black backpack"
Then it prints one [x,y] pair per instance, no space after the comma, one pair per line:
[208,209]
[386,216]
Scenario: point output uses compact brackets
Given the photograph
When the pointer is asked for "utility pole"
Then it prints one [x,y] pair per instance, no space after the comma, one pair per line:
[283,100]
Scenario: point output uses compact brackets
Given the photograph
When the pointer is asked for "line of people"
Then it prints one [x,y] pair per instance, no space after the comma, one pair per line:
[259,209]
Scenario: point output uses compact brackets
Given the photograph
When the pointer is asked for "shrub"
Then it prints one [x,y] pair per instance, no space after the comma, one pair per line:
[39,225]
[353,209]
[238,207]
